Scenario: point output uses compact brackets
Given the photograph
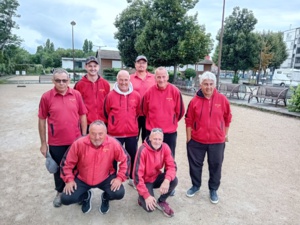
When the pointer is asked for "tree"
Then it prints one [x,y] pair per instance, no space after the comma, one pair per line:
[277,47]
[90,46]
[8,10]
[171,37]
[240,45]
[85,47]
[130,24]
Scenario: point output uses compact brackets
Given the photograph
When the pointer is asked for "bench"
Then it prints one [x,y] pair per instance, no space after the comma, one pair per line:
[273,93]
[45,79]
[184,86]
[239,90]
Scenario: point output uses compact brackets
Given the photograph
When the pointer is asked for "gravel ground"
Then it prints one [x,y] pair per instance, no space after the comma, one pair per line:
[260,177]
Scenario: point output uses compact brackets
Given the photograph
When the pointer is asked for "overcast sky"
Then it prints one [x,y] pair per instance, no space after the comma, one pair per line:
[43,19]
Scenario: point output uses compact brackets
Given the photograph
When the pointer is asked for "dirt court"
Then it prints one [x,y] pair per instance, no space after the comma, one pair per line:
[260,178]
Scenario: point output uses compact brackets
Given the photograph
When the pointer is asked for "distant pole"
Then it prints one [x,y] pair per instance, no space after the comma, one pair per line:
[220,47]
[73,24]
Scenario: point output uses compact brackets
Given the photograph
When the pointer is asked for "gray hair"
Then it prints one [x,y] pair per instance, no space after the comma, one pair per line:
[161,68]
[208,76]
[98,123]
[123,72]
[59,71]
[157,130]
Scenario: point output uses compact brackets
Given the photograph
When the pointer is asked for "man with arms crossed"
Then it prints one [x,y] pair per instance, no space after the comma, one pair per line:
[141,81]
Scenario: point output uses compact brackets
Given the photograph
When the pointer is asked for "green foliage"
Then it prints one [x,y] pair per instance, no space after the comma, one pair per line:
[130,24]
[172,37]
[235,79]
[87,47]
[110,74]
[151,69]
[239,50]
[294,103]
[8,10]
[189,72]
[168,36]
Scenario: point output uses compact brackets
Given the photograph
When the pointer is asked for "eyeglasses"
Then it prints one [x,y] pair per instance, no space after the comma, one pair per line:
[154,130]
[61,81]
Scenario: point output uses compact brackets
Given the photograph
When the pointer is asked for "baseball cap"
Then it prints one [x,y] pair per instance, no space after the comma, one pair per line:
[51,165]
[91,59]
[141,57]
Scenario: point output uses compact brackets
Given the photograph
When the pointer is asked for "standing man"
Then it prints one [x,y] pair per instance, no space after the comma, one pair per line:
[65,113]
[141,81]
[163,107]
[152,157]
[121,110]
[93,89]
[207,123]
[89,164]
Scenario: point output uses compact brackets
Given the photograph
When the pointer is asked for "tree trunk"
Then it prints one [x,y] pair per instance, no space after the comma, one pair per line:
[175,73]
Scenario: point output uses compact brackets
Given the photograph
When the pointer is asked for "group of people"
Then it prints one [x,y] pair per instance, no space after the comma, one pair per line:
[93,135]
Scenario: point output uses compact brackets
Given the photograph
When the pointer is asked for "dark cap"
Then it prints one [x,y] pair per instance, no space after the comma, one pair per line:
[141,57]
[91,59]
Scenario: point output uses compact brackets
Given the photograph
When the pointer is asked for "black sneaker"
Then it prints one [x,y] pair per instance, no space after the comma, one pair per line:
[213,196]
[87,203]
[104,208]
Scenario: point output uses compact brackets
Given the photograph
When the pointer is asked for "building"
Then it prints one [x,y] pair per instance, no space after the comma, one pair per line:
[292,39]
[109,59]
[67,63]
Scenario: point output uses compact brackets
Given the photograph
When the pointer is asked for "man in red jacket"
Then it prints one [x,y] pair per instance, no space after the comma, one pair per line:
[121,110]
[89,164]
[163,107]
[207,123]
[93,89]
[141,81]
[151,157]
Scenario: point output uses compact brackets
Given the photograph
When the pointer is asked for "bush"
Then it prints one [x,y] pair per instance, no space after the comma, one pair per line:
[189,72]
[110,74]
[294,103]
[235,79]
[150,69]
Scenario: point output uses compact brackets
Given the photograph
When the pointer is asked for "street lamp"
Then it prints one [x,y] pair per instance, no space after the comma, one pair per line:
[220,47]
[73,24]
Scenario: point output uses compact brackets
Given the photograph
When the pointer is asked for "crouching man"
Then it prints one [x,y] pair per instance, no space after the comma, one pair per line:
[89,164]
[151,158]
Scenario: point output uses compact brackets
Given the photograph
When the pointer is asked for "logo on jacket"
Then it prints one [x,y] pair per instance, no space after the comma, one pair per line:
[169,99]
[105,149]
[217,105]
[72,99]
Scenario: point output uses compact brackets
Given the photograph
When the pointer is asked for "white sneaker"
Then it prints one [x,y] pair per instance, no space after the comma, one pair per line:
[130,182]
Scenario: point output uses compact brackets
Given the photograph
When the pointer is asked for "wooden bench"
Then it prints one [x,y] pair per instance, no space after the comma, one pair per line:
[45,79]
[239,90]
[273,93]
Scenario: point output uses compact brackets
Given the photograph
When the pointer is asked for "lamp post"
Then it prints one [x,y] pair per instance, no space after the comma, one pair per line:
[220,47]
[73,24]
